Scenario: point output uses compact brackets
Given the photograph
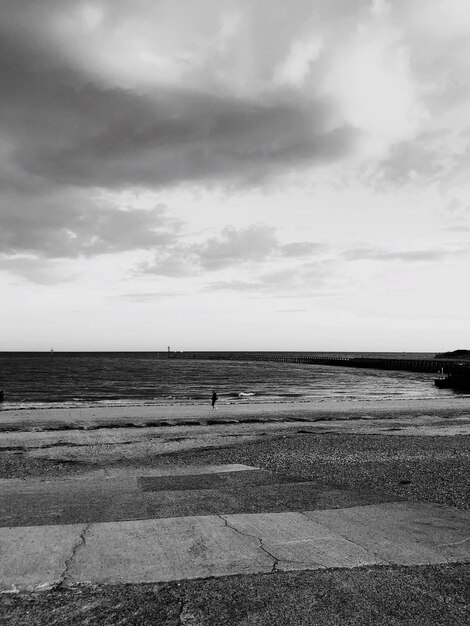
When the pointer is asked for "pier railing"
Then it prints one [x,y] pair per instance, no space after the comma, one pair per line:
[391,363]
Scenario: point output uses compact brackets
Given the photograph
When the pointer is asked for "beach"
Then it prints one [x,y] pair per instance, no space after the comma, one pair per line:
[354,453]
[100,439]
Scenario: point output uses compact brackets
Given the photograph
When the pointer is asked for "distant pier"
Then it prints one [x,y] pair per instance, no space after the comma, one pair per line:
[427,365]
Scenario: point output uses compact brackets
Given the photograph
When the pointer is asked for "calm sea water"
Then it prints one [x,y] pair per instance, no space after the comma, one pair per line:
[37,380]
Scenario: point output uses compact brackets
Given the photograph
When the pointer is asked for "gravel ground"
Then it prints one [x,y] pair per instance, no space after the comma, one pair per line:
[422,468]
[379,596]
[14,465]
[433,469]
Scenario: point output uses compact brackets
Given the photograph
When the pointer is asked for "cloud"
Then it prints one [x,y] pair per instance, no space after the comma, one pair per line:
[237,285]
[248,247]
[455,206]
[292,310]
[65,126]
[144,297]
[301,249]
[69,224]
[41,272]
[234,246]
[302,280]
[117,94]
[405,256]
[459,227]
[436,39]
[120,93]
[175,262]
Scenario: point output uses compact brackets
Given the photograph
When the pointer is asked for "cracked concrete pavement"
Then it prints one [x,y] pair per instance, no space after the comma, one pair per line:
[80,543]
[260,539]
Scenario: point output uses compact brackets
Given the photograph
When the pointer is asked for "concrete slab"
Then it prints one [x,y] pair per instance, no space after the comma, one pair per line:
[121,478]
[166,549]
[92,507]
[250,499]
[36,557]
[298,543]
[61,486]
[407,533]
[215,480]
[41,509]
[40,503]
[240,490]
[203,546]
[171,470]
[444,528]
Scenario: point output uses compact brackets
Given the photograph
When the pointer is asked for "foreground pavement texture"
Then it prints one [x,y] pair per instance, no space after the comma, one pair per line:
[200,522]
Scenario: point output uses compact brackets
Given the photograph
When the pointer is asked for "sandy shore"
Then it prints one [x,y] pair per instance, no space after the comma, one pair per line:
[141,415]
[101,439]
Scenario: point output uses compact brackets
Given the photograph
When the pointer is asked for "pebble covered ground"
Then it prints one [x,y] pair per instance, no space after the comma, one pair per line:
[433,469]
[379,596]
[422,468]
[20,466]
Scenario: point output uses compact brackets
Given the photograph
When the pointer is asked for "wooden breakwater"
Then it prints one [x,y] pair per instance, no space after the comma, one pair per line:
[428,365]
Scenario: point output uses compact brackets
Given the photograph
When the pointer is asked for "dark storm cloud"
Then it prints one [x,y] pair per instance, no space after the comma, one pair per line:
[65,135]
[70,130]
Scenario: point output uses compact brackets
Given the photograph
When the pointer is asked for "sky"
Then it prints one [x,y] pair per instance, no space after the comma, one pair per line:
[235,175]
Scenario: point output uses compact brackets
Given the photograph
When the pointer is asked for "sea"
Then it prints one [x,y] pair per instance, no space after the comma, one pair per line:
[41,380]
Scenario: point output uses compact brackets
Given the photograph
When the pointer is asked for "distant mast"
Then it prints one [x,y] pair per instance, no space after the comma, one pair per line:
[169,351]
[52,352]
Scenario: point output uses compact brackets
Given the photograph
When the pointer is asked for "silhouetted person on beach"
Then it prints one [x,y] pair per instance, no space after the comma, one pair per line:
[215,397]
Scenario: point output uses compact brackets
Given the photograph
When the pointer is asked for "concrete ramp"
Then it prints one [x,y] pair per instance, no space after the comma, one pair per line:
[177,548]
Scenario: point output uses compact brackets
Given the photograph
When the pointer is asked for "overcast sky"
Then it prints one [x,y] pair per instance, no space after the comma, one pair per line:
[235,174]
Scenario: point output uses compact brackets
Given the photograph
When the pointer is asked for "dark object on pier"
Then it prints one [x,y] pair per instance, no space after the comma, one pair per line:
[454,354]
[459,379]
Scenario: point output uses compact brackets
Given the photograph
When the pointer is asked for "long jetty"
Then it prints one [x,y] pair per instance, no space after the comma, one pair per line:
[429,365]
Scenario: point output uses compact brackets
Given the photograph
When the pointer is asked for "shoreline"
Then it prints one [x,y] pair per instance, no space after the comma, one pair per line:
[94,413]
